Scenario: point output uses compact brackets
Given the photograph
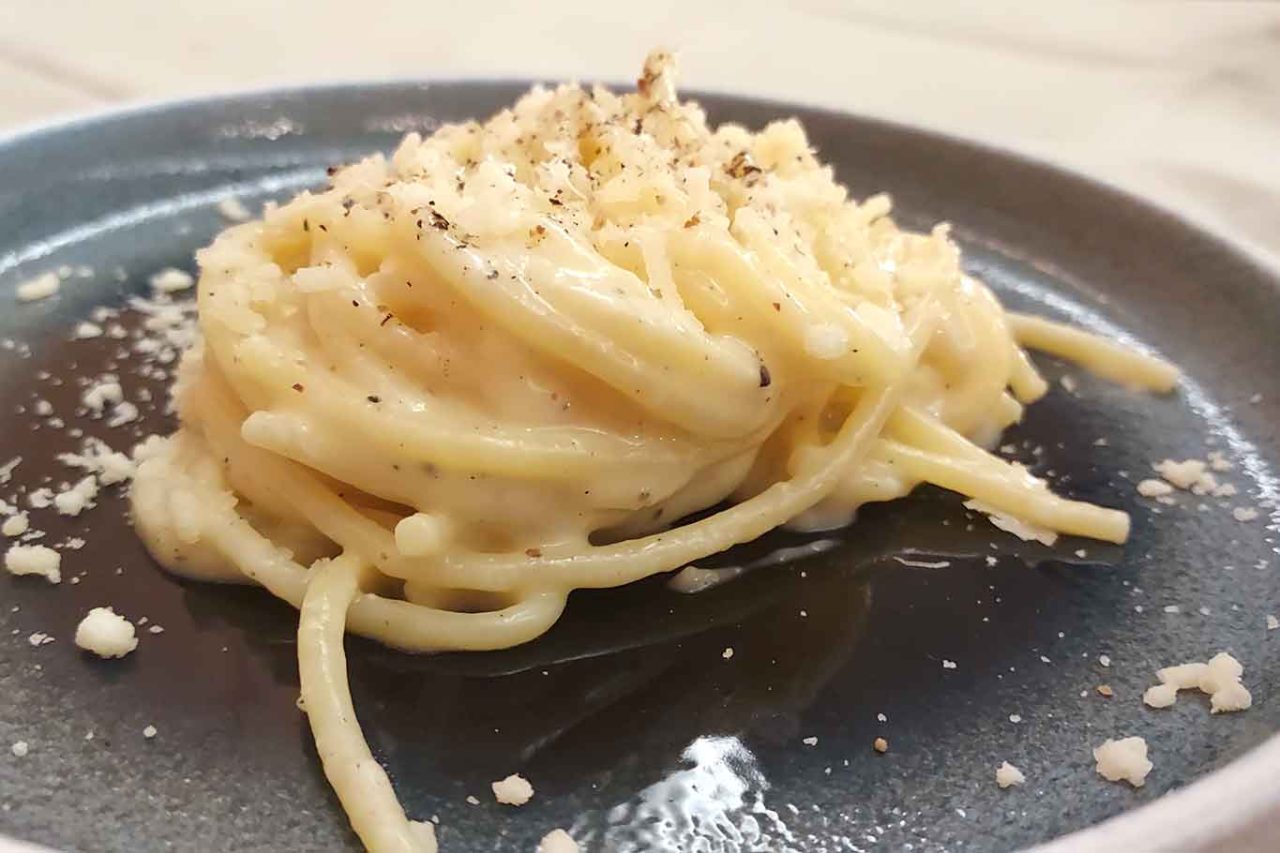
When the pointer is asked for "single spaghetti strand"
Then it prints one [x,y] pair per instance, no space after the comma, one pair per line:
[1106,358]
[357,778]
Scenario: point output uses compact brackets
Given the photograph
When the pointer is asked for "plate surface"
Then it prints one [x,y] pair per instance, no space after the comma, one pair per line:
[635,729]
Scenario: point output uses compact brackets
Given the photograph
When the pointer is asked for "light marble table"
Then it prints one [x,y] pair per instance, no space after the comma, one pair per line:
[1178,102]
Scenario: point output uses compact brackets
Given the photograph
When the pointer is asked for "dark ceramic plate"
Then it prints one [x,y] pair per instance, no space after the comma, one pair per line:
[635,730]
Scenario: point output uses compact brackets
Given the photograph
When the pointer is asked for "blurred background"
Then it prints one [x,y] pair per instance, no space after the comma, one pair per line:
[1177,101]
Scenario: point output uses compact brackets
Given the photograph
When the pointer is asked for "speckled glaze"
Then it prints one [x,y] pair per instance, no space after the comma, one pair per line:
[636,730]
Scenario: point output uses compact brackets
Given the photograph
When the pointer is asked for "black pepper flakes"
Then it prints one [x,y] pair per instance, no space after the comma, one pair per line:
[374,398]
[297,386]
[533,552]
[741,167]
[766,379]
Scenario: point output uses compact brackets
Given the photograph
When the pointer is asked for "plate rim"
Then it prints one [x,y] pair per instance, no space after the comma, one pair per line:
[1233,804]
[140,107]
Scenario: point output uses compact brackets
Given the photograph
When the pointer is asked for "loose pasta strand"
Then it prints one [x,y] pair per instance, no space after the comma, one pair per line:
[1106,358]
[358,780]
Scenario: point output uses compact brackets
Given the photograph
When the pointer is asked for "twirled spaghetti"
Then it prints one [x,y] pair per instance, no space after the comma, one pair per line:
[508,361]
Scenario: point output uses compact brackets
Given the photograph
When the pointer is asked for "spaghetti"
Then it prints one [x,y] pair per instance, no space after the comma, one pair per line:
[508,361]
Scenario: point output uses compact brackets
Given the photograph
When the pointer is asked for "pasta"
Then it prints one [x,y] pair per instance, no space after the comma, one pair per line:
[510,360]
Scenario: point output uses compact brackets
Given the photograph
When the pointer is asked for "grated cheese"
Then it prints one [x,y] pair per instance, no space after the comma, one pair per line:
[106,634]
[170,280]
[1219,678]
[76,499]
[1024,530]
[1007,775]
[1244,513]
[105,391]
[233,209]
[514,790]
[557,841]
[1123,759]
[1154,488]
[15,525]
[41,287]
[34,560]
[1184,474]
[96,457]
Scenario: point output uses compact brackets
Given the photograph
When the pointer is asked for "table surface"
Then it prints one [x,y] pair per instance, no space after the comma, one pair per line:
[1177,102]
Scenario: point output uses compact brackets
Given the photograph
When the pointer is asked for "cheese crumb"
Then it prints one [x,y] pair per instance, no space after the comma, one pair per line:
[109,466]
[810,741]
[948,664]
[40,287]
[880,745]
[1272,622]
[15,525]
[233,209]
[105,391]
[170,280]
[514,790]
[34,560]
[1105,660]
[1154,488]
[727,653]
[1219,678]
[1105,690]
[1244,513]
[106,634]
[1184,474]
[1024,530]
[472,800]
[1123,759]
[76,499]
[557,841]
[149,732]
[20,748]
[1007,775]
[125,413]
